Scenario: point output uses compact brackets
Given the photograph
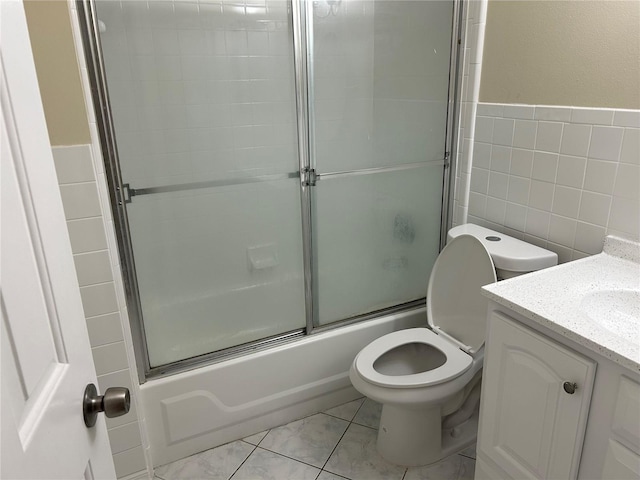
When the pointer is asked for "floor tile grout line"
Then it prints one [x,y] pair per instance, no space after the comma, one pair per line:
[335,474]
[333,416]
[343,434]
[287,456]
[296,459]
[335,446]
[358,410]
[406,469]
[354,415]
[244,461]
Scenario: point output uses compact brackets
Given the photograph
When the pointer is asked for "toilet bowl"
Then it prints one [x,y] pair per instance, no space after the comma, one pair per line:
[428,378]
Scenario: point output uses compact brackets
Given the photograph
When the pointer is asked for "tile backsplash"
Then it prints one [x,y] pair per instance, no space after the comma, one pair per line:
[558,177]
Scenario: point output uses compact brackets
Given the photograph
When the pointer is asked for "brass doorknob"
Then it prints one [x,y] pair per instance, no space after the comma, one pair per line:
[115,402]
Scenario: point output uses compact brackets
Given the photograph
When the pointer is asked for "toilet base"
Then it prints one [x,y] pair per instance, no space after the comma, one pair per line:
[414,438]
[410,437]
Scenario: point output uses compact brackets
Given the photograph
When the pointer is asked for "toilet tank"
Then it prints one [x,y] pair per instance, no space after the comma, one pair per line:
[511,257]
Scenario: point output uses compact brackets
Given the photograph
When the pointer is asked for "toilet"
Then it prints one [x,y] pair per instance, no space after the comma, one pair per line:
[428,378]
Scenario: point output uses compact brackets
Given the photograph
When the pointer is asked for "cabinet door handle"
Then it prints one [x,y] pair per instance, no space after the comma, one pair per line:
[570,387]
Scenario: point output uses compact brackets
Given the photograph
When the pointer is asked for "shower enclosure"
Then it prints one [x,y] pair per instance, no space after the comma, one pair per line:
[277,167]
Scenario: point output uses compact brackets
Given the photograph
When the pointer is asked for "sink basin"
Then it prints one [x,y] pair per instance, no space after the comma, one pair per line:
[616,310]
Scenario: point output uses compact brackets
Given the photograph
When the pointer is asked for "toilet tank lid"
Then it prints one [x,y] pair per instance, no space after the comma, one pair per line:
[508,253]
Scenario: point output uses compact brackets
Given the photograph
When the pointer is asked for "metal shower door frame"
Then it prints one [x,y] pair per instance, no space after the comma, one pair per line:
[120,193]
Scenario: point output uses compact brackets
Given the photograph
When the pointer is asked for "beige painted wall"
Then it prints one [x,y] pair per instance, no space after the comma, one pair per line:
[57,69]
[575,53]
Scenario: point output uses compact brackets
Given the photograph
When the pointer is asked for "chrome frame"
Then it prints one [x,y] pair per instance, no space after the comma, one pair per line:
[192,363]
[100,93]
[308,40]
[300,53]
[453,115]
[302,24]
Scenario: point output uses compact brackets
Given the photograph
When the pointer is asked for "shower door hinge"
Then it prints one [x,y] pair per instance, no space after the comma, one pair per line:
[126,193]
[309,177]
[447,159]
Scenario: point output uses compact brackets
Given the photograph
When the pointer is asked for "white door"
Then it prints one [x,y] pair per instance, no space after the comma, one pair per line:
[46,358]
[530,426]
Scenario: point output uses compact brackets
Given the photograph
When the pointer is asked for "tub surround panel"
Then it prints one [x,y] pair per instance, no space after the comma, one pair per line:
[559,177]
[207,413]
[215,404]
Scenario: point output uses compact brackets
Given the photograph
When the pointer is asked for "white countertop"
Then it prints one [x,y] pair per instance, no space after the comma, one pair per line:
[576,300]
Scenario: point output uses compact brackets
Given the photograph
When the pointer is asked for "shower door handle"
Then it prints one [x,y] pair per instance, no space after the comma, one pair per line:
[115,402]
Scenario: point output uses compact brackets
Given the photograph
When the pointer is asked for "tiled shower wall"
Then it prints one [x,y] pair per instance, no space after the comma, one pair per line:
[558,177]
[412,42]
[472,36]
[191,82]
[342,92]
[95,267]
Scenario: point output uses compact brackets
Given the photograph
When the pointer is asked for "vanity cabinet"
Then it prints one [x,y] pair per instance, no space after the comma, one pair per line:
[535,402]
[535,425]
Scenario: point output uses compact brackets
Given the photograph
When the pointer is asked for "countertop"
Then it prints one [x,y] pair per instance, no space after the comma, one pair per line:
[555,298]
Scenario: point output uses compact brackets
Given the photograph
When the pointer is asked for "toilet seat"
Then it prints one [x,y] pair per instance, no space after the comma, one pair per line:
[456,307]
[456,312]
[456,364]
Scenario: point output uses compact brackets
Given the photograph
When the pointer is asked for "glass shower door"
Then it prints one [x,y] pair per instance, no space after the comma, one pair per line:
[379,81]
[203,104]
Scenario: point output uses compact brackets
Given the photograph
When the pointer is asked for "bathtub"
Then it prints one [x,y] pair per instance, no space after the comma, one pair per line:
[200,409]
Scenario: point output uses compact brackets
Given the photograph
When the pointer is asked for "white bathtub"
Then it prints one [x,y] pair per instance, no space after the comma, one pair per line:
[193,411]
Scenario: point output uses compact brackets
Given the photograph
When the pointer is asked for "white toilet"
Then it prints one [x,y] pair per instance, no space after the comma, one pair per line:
[428,379]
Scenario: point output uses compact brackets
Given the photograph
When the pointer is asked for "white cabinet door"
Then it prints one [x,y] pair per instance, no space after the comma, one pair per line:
[529,426]
[620,463]
[46,358]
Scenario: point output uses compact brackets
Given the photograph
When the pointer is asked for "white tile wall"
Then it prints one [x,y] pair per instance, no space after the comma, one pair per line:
[131,460]
[562,180]
[474,18]
[82,204]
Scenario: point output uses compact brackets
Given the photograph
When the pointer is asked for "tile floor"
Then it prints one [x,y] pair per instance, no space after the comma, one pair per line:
[337,444]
